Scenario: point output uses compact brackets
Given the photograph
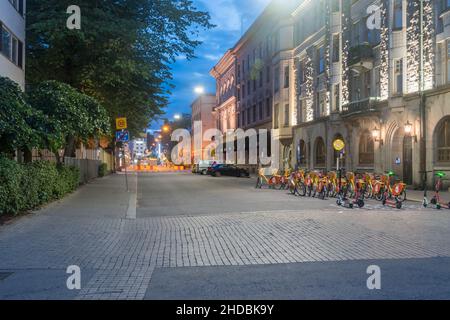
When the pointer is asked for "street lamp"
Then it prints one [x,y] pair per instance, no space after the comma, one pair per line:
[199,90]
[376,133]
[177,117]
[409,130]
[166,128]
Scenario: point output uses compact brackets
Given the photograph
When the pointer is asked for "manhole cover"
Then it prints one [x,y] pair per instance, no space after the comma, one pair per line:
[4,275]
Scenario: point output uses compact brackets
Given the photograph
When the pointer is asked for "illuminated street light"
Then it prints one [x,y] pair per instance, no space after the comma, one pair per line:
[177,117]
[166,128]
[199,90]
[408,127]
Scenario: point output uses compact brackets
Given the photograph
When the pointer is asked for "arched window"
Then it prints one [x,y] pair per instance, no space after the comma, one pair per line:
[366,149]
[321,153]
[443,141]
[301,153]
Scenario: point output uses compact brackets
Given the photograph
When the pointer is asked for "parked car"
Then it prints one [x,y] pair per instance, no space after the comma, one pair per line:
[228,170]
[203,166]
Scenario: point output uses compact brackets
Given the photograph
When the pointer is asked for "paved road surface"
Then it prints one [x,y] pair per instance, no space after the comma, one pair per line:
[195,237]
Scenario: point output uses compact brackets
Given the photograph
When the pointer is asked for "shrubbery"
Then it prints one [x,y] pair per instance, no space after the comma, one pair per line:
[28,186]
[102,170]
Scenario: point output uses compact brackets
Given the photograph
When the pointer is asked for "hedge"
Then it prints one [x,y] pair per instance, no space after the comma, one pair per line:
[102,170]
[27,186]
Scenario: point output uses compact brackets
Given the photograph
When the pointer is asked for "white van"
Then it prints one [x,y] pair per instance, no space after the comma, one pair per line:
[203,165]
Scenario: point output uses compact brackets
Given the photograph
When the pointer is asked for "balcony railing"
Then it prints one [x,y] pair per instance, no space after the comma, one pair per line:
[361,53]
[362,106]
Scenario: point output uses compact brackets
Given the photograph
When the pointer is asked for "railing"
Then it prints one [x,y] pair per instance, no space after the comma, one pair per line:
[359,53]
[361,106]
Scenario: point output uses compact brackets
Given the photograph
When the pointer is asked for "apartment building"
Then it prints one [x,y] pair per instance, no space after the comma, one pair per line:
[362,85]
[202,110]
[247,73]
[12,40]
[334,70]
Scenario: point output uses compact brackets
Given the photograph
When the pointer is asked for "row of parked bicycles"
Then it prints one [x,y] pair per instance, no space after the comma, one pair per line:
[349,189]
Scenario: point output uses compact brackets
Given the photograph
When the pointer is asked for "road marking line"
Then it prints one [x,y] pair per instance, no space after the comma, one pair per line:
[132,203]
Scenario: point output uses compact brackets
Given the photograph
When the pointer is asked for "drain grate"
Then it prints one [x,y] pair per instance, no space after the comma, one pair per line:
[4,275]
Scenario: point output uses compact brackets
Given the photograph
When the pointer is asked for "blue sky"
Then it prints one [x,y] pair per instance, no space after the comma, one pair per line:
[226,15]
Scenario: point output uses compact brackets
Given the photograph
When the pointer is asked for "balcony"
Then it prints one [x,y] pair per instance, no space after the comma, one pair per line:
[361,58]
[360,107]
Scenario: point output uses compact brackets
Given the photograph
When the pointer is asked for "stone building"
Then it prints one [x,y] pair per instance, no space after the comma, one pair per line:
[337,71]
[202,111]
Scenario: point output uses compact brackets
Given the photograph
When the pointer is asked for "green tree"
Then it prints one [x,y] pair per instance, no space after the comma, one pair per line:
[122,54]
[67,116]
[17,119]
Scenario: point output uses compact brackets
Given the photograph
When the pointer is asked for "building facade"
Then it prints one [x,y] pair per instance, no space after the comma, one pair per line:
[353,70]
[202,110]
[12,40]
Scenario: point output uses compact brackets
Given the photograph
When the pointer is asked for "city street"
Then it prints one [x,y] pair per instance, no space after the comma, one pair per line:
[184,236]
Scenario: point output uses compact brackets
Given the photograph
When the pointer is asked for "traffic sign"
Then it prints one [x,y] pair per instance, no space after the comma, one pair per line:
[121,123]
[122,136]
[338,144]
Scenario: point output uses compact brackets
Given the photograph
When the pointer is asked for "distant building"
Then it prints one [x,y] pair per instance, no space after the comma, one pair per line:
[139,146]
[202,110]
[12,40]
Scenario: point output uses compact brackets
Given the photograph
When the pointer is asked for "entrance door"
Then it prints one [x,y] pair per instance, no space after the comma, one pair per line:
[407,160]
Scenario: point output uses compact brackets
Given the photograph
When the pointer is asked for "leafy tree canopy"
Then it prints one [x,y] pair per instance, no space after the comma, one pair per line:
[16,119]
[121,55]
[67,114]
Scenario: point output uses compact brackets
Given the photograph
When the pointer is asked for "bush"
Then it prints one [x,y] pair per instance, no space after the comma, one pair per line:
[11,187]
[28,186]
[102,170]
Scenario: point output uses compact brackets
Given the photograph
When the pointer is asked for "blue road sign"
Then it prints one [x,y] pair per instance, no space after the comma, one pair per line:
[122,136]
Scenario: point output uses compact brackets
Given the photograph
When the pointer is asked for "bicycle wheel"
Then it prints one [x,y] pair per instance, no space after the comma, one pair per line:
[402,196]
[301,189]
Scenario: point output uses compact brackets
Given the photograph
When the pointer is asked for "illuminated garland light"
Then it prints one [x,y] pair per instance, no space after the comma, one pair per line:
[345,68]
[309,88]
[413,40]
[384,53]
[327,59]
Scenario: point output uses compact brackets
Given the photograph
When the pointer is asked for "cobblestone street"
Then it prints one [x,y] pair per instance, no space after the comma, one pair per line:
[180,226]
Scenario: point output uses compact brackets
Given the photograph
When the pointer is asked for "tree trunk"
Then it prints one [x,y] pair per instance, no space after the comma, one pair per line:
[69,150]
[27,155]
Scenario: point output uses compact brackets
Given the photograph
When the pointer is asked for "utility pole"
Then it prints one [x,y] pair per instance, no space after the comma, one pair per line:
[422,99]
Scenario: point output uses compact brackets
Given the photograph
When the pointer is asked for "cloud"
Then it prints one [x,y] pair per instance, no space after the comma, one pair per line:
[213,57]
[224,14]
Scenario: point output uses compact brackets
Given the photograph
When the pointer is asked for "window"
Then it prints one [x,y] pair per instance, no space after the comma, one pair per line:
[254,113]
[321,60]
[366,149]
[261,111]
[443,142]
[267,74]
[448,60]
[11,47]
[277,80]
[249,88]
[321,153]
[268,108]
[18,5]
[286,77]
[301,153]
[398,76]
[286,115]
[336,45]
[243,91]
[398,14]
[276,120]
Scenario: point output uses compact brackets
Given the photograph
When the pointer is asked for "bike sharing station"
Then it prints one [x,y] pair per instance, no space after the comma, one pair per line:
[350,189]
